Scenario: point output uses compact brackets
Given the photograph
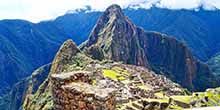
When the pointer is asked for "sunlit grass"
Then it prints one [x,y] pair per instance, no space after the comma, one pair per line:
[160,95]
[157,100]
[182,98]
[113,75]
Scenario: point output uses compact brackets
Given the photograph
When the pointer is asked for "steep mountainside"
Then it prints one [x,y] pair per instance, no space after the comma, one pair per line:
[115,37]
[214,64]
[198,29]
[15,99]
[24,47]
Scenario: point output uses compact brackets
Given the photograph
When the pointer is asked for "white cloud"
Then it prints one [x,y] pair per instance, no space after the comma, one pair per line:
[37,10]
[176,4]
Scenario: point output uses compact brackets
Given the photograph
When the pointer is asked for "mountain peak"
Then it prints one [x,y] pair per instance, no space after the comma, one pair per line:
[65,53]
[114,6]
[114,10]
[115,37]
[112,17]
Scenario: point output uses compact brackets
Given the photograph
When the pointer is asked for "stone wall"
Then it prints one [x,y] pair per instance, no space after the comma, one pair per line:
[74,91]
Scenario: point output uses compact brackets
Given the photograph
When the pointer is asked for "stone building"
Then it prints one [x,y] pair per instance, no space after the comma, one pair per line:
[74,91]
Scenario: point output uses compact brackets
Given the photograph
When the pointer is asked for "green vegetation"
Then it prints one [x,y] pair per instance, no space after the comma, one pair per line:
[185,99]
[214,64]
[79,62]
[160,95]
[41,100]
[116,73]
[113,75]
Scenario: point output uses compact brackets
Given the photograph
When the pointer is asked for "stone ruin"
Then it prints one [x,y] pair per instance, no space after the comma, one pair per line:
[74,91]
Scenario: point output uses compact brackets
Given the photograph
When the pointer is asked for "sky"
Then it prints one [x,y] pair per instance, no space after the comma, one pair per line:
[38,10]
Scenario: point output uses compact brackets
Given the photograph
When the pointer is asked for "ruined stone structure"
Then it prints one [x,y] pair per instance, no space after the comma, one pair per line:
[74,91]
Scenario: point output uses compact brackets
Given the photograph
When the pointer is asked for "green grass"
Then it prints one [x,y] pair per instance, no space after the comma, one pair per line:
[185,99]
[116,73]
[113,75]
[159,94]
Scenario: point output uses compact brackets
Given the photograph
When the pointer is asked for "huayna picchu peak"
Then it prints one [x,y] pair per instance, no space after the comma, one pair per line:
[119,67]
[115,37]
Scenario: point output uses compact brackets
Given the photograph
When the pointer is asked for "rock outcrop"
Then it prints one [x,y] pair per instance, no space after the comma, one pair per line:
[64,56]
[115,37]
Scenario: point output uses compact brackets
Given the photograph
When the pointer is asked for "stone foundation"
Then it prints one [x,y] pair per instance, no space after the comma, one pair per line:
[74,91]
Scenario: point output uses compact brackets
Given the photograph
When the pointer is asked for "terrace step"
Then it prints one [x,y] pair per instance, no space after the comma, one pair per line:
[138,106]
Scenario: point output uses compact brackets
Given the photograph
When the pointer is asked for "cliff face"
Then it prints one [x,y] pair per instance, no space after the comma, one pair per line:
[115,37]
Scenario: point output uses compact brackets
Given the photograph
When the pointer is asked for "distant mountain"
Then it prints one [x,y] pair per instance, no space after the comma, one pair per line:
[24,46]
[77,25]
[116,38]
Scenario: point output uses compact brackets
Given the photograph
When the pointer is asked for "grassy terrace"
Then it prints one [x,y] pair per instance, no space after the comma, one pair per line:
[185,99]
[116,73]
[113,75]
